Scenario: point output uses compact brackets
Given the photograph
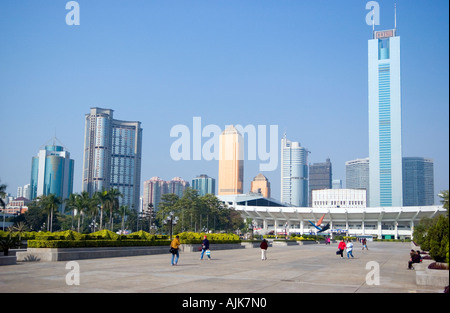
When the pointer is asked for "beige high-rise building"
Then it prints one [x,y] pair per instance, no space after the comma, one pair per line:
[231,162]
[261,185]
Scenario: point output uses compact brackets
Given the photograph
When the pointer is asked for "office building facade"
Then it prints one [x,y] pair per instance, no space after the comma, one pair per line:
[112,156]
[357,176]
[294,173]
[261,185]
[231,162]
[177,186]
[320,177]
[339,198]
[204,185]
[52,173]
[156,187]
[385,127]
[418,181]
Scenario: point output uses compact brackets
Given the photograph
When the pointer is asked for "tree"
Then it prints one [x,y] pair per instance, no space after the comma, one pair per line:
[124,211]
[444,201]
[170,202]
[20,228]
[112,201]
[438,237]
[102,198]
[433,234]
[2,203]
[34,217]
[49,203]
[71,205]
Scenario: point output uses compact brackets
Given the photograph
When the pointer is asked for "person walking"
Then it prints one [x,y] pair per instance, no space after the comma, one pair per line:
[263,247]
[205,248]
[364,243]
[349,248]
[341,248]
[174,248]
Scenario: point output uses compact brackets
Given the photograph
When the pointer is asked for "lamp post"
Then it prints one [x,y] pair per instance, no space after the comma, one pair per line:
[171,220]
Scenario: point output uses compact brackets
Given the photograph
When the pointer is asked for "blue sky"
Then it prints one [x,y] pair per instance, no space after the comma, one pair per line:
[301,65]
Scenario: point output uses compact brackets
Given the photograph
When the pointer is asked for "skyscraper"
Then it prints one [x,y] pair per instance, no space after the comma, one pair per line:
[385,127]
[294,173]
[418,181]
[177,186]
[112,156]
[231,162]
[154,188]
[320,177]
[261,185]
[357,175]
[204,185]
[52,173]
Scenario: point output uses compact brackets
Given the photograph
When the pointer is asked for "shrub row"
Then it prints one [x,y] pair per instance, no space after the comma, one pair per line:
[95,243]
[191,237]
[73,235]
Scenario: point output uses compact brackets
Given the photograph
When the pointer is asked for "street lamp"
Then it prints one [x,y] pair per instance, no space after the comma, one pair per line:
[171,220]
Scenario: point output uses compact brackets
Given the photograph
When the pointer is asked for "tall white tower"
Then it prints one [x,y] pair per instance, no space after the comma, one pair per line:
[385,122]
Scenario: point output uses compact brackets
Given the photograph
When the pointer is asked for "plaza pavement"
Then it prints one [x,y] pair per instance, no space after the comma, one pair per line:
[288,269]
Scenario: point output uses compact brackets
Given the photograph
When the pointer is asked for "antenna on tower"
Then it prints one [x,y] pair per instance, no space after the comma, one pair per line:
[395,16]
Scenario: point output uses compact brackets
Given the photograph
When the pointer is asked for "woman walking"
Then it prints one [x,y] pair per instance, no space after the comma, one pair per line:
[174,248]
[341,248]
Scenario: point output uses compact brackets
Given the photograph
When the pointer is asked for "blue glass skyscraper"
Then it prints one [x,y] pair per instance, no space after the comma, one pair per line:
[204,184]
[385,125]
[52,173]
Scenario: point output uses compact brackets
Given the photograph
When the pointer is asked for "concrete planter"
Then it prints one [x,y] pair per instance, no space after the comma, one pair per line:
[67,254]
[285,243]
[256,244]
[7,260]
[429,277]
[212,246]
[307,242]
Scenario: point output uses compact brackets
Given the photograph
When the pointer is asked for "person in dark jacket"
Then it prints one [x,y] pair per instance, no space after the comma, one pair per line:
[205,248]
[263,247]
[415,258]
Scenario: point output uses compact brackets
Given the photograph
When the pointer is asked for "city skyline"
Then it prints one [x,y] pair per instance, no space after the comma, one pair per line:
[230,62]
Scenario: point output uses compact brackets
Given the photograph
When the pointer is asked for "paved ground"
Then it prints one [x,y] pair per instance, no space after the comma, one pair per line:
[293,269]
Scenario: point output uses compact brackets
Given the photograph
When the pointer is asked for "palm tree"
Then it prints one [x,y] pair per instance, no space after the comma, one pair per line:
[101,197]
[84,203]
[71,204]
[92,207]
[2,203]
[113,203]
[51,203]
[123,212]
[20,228]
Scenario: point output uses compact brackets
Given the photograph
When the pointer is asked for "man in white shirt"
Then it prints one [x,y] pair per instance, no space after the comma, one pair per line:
[349,249]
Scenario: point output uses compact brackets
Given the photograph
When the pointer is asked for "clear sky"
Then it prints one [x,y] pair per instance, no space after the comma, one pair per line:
[301,65]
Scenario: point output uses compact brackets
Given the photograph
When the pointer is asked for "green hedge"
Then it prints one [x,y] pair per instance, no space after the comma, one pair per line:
[106,238]
[196,241]
[95,243]
[191,237]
